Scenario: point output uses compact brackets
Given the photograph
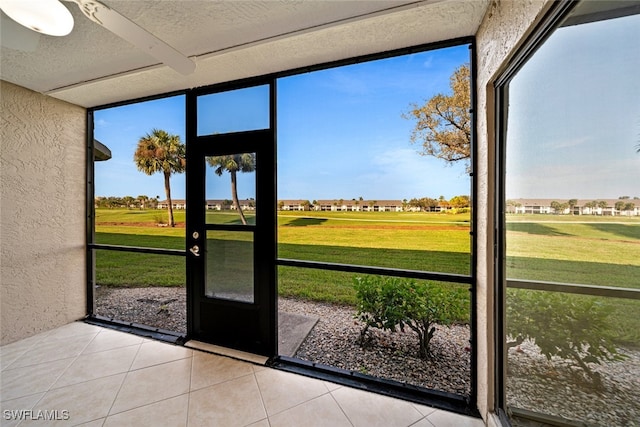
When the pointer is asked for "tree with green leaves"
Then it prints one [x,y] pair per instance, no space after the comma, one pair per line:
[128,201]
[602,205]
[234,163]
[460,201]
[160,151]
[591,205]
[629,206]
[512,206]
[142,201]
[443,123]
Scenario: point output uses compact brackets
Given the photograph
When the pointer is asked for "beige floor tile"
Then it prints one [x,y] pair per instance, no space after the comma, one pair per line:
[94,423]
[154,353]
[73,329]
[83,402]
[332,386]
[89,367]
[371,410]
[258,368]
[54,349]
[210,369]
[448,419]
[25,403]
[150,385]
[261,423]
[283,390]
[320,412]
[424,410]
[233,403]
[170,413]
[423,423]
[9,353]
[21,382]
[108,340]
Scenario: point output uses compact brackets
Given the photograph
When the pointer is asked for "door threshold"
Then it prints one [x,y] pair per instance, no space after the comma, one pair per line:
[229,352]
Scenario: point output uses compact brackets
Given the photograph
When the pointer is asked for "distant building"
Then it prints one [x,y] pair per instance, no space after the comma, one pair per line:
[216,205]
[294,205]
[342,205]
[603,207]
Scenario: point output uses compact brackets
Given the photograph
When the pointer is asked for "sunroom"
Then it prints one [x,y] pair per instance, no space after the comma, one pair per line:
[545,329]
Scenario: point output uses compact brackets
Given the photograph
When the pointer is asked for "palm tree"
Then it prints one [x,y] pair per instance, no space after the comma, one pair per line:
[160,151]
[143,201]
[602,205]
[128,201]
[234,163]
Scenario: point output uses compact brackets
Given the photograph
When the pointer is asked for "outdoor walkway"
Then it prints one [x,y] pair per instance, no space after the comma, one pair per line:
[91,376]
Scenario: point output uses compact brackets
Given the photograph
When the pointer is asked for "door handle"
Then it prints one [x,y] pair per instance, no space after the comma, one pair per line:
[195,250]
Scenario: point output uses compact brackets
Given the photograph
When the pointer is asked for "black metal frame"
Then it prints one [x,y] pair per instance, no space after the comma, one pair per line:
[90,216]
[457,403]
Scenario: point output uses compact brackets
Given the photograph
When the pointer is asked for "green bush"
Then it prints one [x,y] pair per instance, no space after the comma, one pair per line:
[389,303]
[379,303]
[427,306]
[572,327]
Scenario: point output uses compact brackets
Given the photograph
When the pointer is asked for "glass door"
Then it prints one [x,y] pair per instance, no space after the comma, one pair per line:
[231,219]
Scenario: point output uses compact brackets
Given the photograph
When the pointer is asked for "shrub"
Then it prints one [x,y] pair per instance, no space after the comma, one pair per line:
[427,306]
[569,326]
[388,303]
[379,303]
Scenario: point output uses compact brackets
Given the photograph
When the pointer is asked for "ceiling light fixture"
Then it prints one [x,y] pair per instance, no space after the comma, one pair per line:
[44,16]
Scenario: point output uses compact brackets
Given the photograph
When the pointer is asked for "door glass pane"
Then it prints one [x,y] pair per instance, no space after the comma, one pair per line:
[231,189]
[230,265]
[234,111]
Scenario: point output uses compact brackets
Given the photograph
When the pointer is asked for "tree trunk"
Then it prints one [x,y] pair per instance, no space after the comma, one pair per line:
[422,350]
[167,190]
[234,196]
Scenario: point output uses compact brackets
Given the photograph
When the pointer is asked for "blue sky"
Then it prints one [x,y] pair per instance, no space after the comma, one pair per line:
[341,134]
[574,126]
[574,118]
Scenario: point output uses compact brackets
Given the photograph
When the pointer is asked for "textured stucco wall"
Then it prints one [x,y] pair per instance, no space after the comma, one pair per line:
[42,208]
[505,27]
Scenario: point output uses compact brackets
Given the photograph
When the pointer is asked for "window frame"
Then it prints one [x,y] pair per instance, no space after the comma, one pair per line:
[550,22]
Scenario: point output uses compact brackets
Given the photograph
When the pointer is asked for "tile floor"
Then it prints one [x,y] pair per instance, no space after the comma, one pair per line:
[86,375]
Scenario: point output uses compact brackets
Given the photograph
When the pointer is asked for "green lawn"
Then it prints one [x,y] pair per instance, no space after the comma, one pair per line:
[563,248]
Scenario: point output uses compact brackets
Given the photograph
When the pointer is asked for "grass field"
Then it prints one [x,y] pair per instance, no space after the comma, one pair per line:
[574,249]
[416,241]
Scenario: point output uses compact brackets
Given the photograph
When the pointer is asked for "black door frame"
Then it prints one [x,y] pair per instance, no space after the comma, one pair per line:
[250,327]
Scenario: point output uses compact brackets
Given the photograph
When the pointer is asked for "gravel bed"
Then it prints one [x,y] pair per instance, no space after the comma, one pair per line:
[555,387]
[164,308]
[333,342]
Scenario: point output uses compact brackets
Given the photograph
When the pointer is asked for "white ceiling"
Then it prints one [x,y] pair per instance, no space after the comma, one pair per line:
[228,40]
